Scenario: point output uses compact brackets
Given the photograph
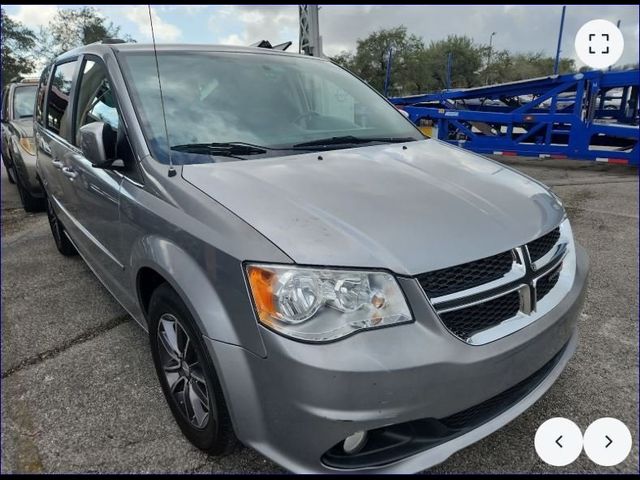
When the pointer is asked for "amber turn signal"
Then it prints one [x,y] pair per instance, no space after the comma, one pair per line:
[260,282]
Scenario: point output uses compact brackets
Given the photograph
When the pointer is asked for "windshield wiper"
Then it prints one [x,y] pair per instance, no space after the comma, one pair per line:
[228,149]
[350,140]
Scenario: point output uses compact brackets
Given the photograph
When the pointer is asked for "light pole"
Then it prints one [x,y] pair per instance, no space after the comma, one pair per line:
[557,62]
[489,56]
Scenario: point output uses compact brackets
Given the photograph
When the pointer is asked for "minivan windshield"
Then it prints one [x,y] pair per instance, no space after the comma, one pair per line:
[24,99]
[246,105]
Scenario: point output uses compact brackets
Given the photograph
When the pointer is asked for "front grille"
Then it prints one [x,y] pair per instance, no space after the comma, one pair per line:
[546,283]
[465,276]
[395,442]
[541,246]
[467,321]
[476,296]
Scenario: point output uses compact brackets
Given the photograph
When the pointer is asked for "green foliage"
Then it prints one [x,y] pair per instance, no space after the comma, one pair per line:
[506,67]
[370,60]
[466,61]
[417,68]
[17,42]
[24,51]
[72,28]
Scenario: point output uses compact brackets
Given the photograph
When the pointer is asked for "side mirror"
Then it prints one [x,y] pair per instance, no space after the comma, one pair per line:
[97,142]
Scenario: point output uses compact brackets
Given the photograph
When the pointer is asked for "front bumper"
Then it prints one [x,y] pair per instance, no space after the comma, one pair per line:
[300,401]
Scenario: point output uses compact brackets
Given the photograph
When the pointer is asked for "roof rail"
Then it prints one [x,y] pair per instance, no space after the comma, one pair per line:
[110,41]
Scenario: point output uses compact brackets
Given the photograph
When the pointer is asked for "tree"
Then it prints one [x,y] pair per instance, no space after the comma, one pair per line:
[344,59]
[419,69]
[372,53]
[466,60]
[72,28]
[506,67]
[17,41]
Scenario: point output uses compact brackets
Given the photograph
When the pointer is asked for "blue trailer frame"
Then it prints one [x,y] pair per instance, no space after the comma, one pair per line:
[591,115]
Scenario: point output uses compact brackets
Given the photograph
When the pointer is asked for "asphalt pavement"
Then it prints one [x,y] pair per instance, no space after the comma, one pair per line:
[79,392]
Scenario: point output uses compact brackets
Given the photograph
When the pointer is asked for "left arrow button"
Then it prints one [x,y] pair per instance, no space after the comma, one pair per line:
[558,441]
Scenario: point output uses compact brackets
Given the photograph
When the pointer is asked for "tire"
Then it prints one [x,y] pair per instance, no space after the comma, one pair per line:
[29,202]
[184,367]
[63,244]
[10,175]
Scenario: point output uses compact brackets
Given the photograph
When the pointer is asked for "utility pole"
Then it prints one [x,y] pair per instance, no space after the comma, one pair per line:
[310,39]
[557,62]
[489,56]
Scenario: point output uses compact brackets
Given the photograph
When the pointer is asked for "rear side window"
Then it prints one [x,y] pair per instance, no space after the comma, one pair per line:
[42,88]
[58,111]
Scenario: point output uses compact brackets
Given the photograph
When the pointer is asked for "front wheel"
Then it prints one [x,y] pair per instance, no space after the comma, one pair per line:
[186,373]
[63,244]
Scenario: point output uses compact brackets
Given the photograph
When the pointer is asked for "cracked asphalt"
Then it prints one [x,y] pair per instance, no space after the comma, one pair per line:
[79,392]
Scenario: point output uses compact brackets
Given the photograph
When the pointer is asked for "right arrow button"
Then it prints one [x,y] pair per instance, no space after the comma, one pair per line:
[599,438]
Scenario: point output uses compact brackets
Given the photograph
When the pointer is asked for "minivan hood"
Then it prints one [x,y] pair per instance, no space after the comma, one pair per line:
[409,210]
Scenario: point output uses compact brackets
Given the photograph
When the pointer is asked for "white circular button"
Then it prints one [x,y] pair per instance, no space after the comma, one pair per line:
[607,441]
[558,441]
[599,43]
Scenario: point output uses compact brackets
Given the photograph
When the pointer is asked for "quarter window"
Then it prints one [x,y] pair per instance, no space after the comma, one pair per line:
[96,101]
[58,99]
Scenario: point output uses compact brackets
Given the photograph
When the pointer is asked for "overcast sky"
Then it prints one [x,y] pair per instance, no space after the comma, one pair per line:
[518,28]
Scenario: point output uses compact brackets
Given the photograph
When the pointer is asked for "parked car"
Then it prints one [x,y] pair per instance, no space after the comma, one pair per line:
[18,149]
[316,278]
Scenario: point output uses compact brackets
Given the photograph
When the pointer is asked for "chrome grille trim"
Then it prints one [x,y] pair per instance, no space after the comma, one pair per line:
[517,271]
[477,301]
[522,277]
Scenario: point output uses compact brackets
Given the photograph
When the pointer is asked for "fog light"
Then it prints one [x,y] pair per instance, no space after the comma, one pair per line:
[354,443]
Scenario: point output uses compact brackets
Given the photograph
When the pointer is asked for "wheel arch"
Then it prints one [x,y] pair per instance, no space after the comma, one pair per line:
[158,260]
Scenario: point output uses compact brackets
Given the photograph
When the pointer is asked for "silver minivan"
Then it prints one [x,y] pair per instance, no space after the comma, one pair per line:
[318,280]
[18,149]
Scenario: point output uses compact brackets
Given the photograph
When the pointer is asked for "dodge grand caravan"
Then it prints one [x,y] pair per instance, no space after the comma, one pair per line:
[317,278]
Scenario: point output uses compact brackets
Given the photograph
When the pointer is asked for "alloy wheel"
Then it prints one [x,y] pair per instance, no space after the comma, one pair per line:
[183,372]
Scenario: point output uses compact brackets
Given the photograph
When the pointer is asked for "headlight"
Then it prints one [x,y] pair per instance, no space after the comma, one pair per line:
[320,305]
[28,145]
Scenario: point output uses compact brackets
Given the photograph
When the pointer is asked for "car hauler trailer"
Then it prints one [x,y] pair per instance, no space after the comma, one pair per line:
[591,115]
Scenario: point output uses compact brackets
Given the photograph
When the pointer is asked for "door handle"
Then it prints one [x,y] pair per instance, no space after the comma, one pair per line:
[69,172]
[57,164]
